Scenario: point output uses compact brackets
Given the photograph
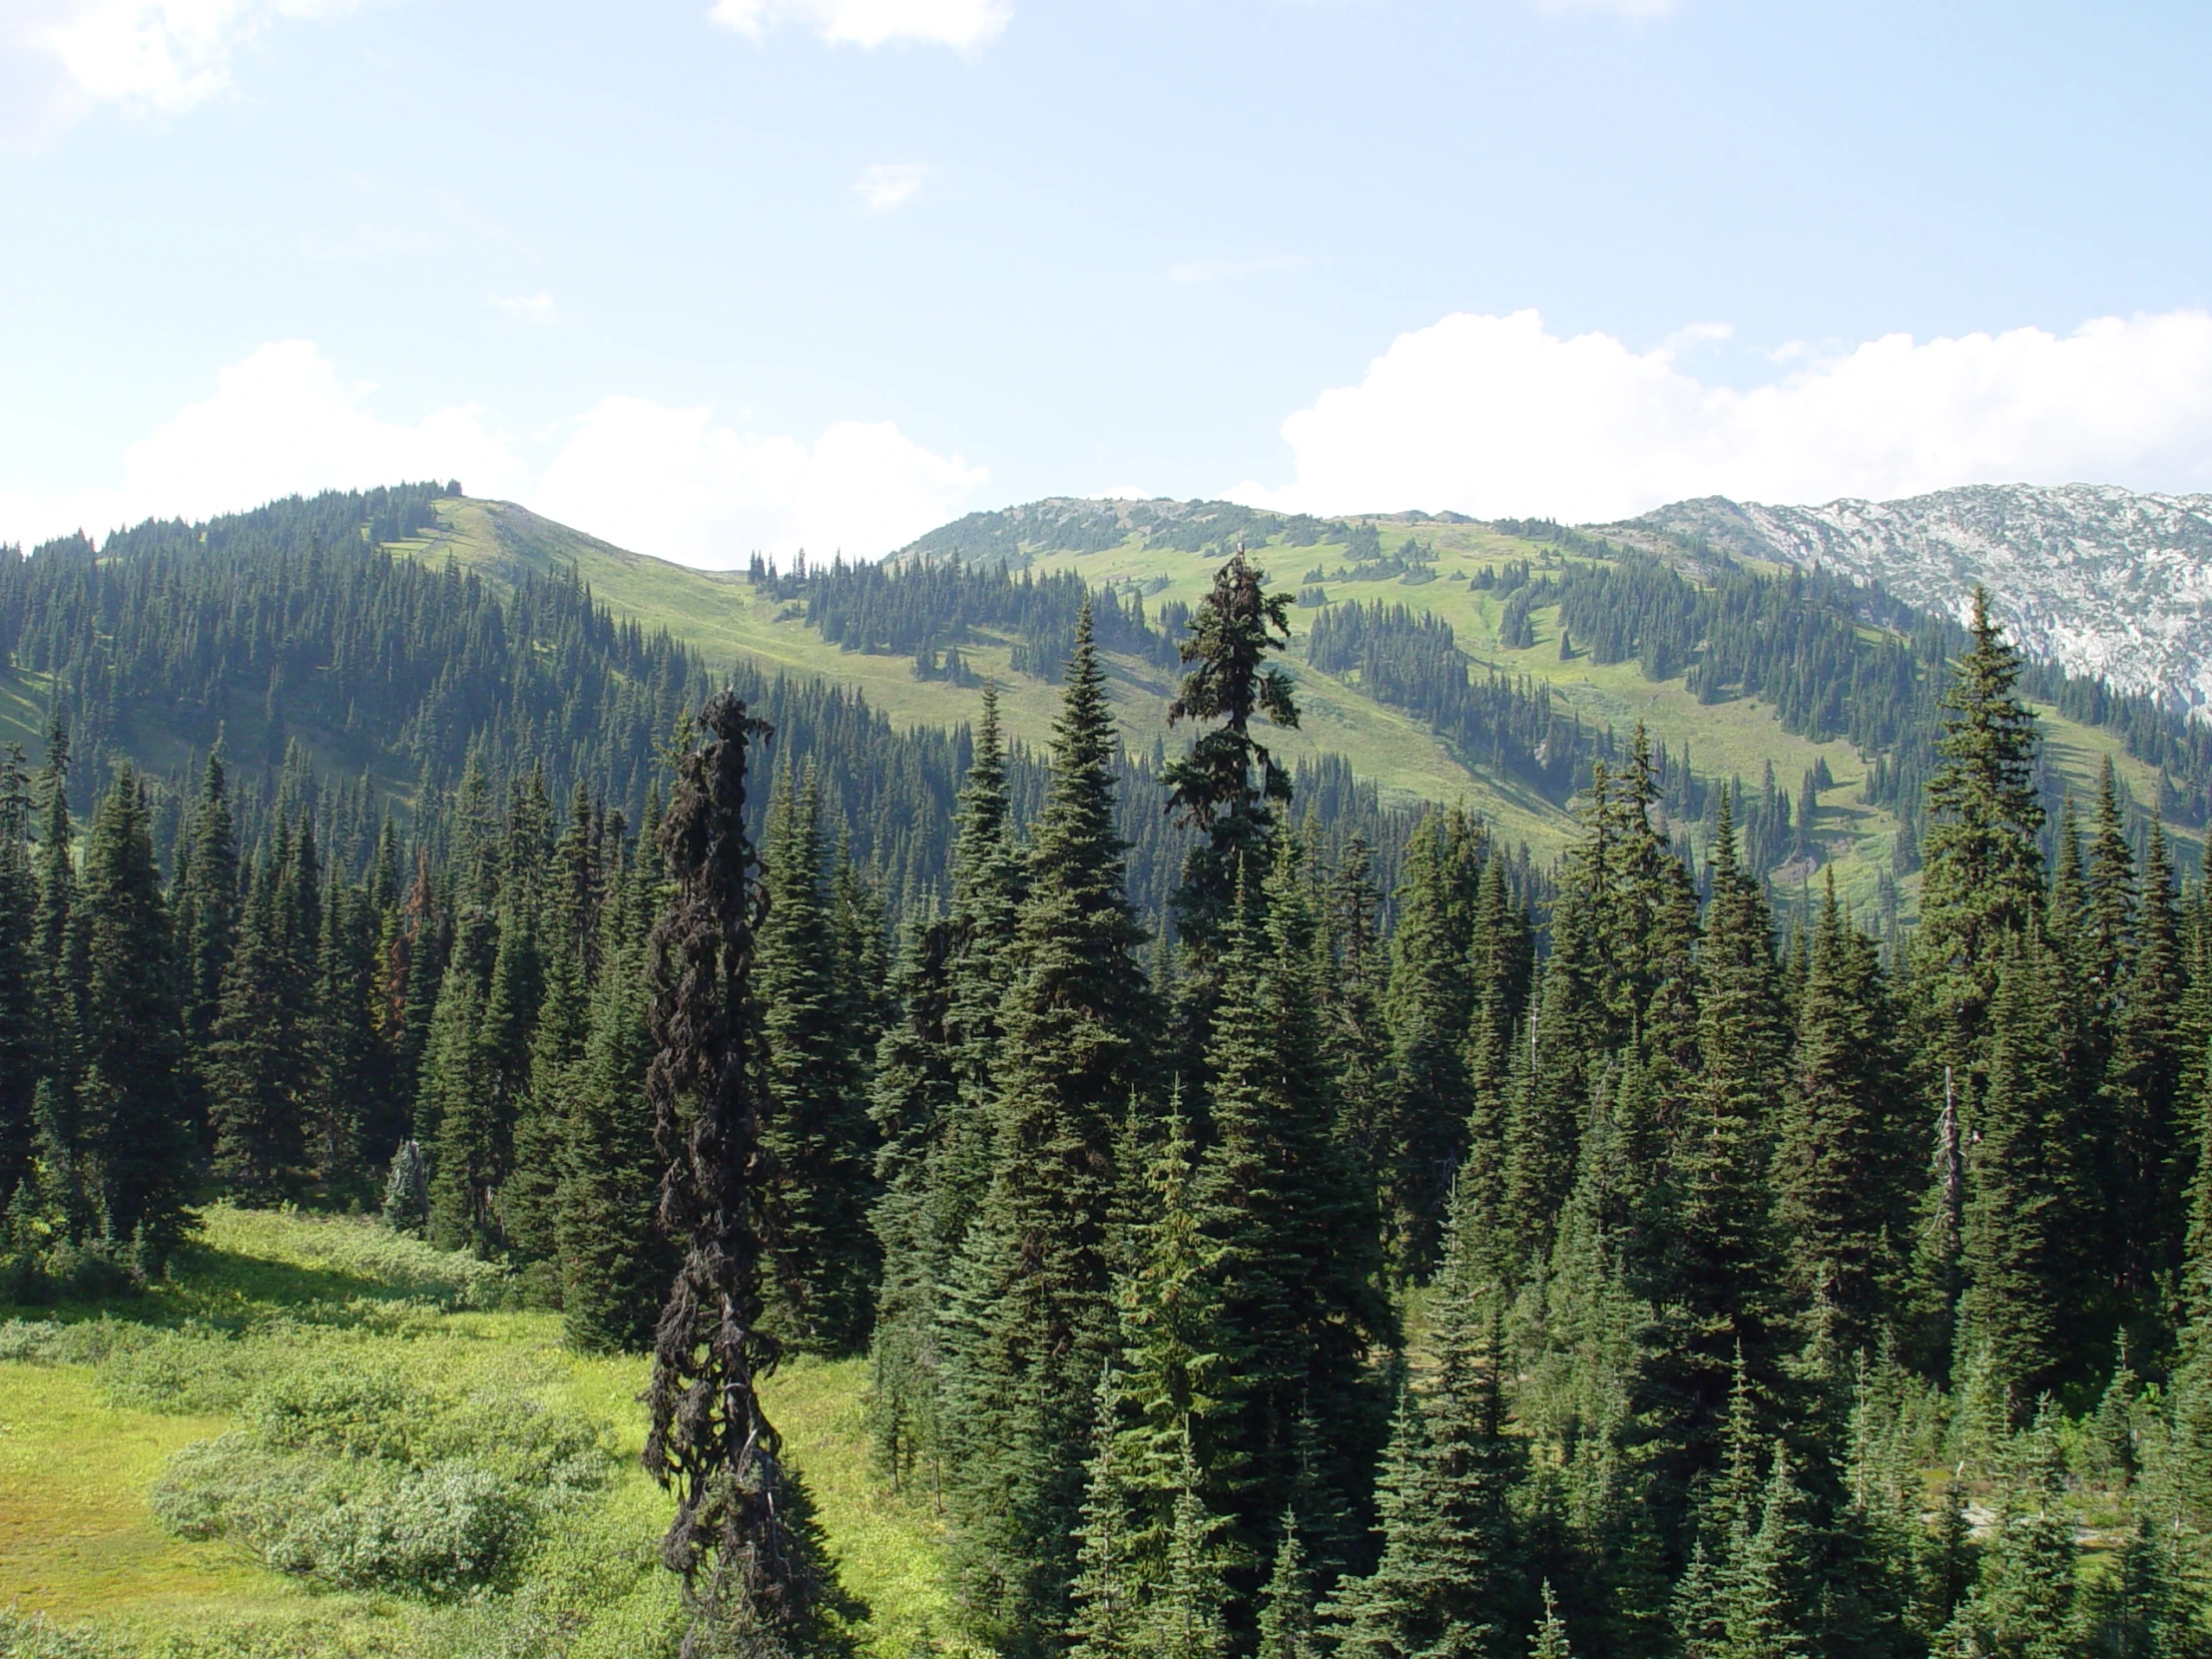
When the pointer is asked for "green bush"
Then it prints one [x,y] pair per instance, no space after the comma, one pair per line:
[432,1531]
[354,1471]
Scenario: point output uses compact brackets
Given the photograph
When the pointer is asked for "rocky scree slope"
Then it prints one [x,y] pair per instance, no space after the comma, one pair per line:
[2098,578]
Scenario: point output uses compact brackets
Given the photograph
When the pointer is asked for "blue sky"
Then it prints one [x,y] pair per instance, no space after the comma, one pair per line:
[702,278]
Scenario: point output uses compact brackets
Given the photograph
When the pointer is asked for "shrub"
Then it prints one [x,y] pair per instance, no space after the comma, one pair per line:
[433,1531]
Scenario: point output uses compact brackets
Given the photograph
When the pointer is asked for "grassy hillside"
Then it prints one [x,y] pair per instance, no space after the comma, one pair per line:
[96,1400]
[720,615]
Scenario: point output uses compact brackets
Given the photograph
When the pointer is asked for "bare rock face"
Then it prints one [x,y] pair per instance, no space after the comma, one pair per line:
[2098,579]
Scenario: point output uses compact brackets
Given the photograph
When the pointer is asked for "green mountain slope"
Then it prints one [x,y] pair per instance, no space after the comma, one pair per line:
[1166,552]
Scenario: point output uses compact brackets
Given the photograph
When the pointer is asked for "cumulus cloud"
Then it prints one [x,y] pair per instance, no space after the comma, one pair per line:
[871,22]
[889,184]
[660,480]
[1498,417]
[60,57]
[672,482]
[281,421]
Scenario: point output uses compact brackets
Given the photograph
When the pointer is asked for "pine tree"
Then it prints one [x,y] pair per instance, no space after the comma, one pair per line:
[137,1141]
[56,940]
[1031,1324]
[1549,1641]
[814,1112]
[2023,1606]
[529,1200]
[744,1539]
[1768,1603]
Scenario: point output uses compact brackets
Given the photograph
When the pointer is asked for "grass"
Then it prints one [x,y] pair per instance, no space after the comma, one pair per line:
[79,1454]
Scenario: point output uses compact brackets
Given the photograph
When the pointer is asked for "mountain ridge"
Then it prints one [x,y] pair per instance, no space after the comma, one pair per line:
[2102,580]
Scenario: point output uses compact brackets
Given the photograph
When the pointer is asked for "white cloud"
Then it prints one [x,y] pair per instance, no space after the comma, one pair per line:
[60,57]
[887,185]
[673,484]
[281,421]
[660,480]
[871,22]
[1495,416]
[526,307]
[1213,270]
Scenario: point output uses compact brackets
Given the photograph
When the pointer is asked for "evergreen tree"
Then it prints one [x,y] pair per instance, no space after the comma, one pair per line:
[1983,884]
[256,1072]
[616,1261]
[2029,1202]
[1447,1581]
[1288,1626]
[1293,1234]
[1844,1162]
[1030,1326]
[814,1113]
[1227,786]
[137,1141]
[207,893]
[1719,1301]
[21,1017]
[744,1539]
[1429,1003]
[2146,1171]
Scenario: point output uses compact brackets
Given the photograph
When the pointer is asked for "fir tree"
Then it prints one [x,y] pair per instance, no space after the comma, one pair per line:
[208,915]
[814,1112]
[2030,1202]
[255,1073]
[1429,1003]
[1227,786]
[1031,1324]
[616,1261]
[1295,1233]
[137,1141]
[21,1018]
[1288,1603]
[1843,1173]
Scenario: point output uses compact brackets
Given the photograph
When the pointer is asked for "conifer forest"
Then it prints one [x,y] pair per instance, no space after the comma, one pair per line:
[1275,1221]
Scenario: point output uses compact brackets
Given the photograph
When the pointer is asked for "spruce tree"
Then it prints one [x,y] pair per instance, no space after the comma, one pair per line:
[257,1075]
[21,1017]
[814,1119]
[2145,1173]
[1984,879]
[137,1141]
[1429,1003]
[208,917]
[614,1259]
[1227,786]
[1288,1626]
[1295,1238]
[2030,1203]
[1449,1578]
[1844,1168]
[1720,1301]
[744,1539]
[1032,1324]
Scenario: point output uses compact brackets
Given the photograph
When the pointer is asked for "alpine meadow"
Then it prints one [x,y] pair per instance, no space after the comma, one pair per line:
[1134,1080]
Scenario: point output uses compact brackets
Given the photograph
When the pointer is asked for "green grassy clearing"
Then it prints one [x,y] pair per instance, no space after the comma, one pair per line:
[79,1452]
